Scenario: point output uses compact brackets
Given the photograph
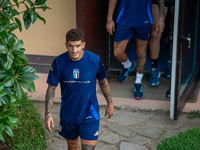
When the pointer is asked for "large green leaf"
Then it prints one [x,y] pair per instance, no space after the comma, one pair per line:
[41,18]
[9,81]
[3,119]
[9,131]
[5,100]
[1,86]
[13,26]
[39,2]
[4,74]
[16,1]
[7,64]
[11,40]
[9,112]
[27,69]
[30,86]
[5,3]
[2,93]
[2,138]
[18,89]
[28,77]
[2,127]
[10,56]
[30,2]
[27,19]
[17,45]
[19,24]
[33,16]
[3,49]
[21,55]
[14,12]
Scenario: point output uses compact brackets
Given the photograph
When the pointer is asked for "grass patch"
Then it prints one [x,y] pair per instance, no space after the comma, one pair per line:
[29,133]
[187,140]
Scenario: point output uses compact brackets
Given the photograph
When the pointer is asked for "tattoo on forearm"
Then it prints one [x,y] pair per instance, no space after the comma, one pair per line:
[117,43]
[88,147]
[105,88]
[140,68]
[50,95]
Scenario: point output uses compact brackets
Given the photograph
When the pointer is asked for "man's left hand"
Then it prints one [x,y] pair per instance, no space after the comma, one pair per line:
[109,110]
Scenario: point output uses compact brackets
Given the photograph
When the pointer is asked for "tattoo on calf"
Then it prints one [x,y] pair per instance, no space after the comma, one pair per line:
[88,147]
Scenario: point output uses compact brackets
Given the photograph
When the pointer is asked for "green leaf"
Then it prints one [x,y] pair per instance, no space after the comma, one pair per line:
[39,2]
[44,7]
[19,24]
[11,40]
[9,81]
[16,2]
[9,112]
[5,3]
[30,86]
[2,127]
[27,69]
[21,55]
[10,56]
[18,89]
[17,45]
[3,49]
[13,26]
[7,64]
[41,18]
[2,94]
[3,119]
[13,119]
[1,137]
[14,12]
[28,77]
[30,2]
[4,74]
[1,86]
[33,16]
[9,131]
[27,19]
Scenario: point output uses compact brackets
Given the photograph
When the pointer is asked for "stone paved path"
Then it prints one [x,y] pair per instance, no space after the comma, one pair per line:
[129,128]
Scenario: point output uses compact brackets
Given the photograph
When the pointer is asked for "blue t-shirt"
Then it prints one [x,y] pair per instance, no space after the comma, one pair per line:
[135,13]
[78,84]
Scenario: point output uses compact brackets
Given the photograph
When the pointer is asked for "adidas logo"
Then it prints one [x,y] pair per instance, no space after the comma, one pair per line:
[96,134]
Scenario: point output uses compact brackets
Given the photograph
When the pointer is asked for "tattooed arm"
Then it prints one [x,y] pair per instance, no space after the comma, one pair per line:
[110,25]
[50,95]
[105,88]
[161,21]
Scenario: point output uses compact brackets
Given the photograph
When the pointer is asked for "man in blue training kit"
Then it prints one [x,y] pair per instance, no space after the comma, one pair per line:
[133,15]
[77,70]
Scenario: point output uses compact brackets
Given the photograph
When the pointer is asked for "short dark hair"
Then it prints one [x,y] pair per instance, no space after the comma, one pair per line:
[75,35]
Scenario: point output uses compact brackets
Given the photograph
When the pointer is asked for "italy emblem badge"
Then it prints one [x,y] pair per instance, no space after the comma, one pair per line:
[76,73]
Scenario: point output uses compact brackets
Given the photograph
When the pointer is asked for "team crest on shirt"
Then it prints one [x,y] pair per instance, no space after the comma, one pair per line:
[60,128]
[76,73]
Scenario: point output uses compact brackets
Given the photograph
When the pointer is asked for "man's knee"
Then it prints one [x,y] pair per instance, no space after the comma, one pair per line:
[117,53]
[155,34]
[73,146]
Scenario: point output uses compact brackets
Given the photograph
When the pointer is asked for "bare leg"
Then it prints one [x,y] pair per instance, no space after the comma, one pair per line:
[141,47]
[73,144]
[119,50]
[88,145]
[154,42]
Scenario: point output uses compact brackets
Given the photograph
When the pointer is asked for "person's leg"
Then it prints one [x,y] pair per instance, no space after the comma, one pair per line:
[73,144]
[141,47]
[122,36]
[154,45]
[88,145]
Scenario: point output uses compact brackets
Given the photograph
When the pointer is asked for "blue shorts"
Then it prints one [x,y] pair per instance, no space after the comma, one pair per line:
[88,129]
[167,4]
[124,32]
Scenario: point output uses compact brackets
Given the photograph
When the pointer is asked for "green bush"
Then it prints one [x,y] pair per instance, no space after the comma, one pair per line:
[14,72]
[29,133]
[187,140]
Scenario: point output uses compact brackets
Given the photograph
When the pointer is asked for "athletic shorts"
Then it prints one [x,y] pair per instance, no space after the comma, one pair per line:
[124,32]
[88,129]
[167,4]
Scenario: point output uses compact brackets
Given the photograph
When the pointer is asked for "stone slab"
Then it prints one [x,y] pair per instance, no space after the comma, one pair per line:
[109,138]
[131,146]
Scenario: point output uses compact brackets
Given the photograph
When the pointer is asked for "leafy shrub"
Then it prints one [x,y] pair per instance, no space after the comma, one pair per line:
[194,114]
[14,72]
[187,140]
[29,133]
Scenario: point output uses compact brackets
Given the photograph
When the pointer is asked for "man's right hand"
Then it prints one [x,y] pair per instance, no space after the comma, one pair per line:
[110,26]
[48,122]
